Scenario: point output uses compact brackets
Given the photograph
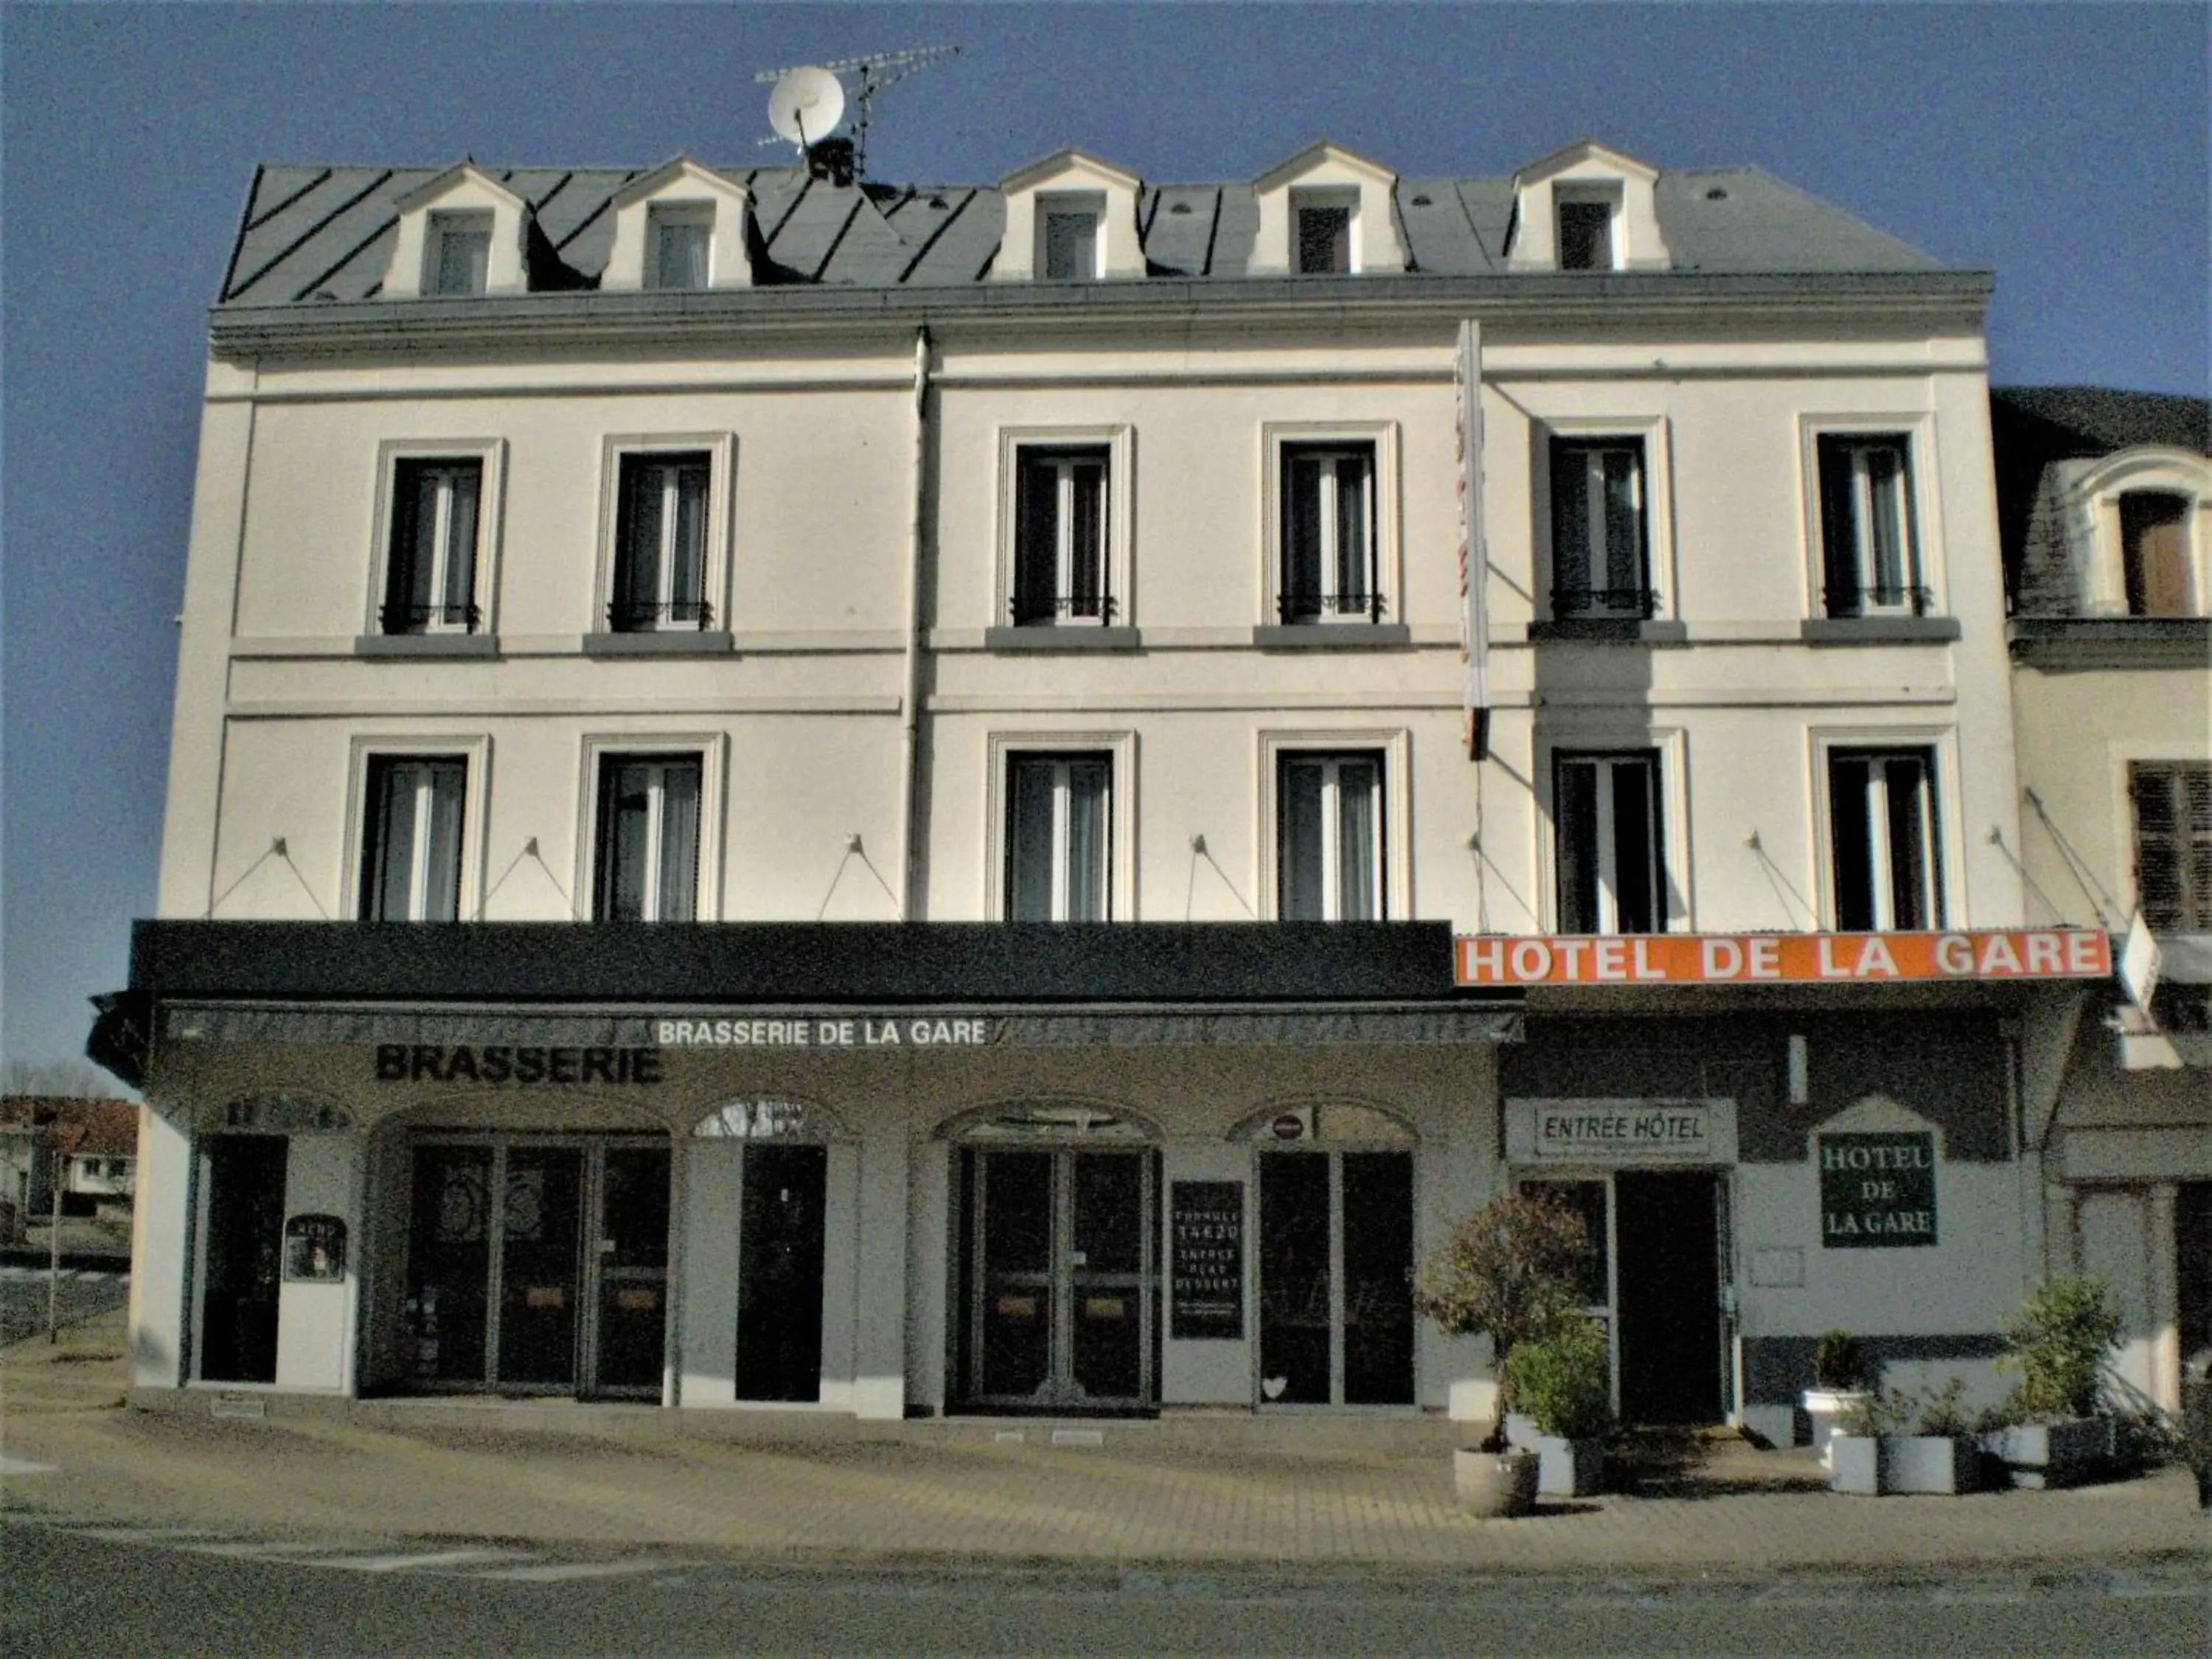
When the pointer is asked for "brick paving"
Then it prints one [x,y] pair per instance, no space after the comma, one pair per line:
[1173,1493]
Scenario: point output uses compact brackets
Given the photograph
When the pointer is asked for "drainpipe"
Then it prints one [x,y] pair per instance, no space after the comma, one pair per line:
[910,736]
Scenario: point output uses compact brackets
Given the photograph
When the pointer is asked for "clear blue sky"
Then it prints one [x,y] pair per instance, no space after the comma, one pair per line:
[2063,146]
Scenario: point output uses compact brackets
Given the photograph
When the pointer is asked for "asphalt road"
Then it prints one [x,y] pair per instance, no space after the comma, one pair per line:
[23,1298]
[75,1593]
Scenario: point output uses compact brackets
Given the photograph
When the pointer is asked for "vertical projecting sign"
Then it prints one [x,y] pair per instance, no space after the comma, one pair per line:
[1473,561]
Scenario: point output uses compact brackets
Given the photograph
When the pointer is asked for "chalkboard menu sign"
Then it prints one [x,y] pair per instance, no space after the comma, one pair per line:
[1877,1191]
[1206,1261]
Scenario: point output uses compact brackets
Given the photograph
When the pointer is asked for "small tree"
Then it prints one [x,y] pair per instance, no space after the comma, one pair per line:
[2060,1339]
[1509,1272]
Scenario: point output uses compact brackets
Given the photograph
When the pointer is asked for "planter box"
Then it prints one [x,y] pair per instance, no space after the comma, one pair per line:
[1520,1431]
[1828,1407]
[1491,1484]
[1902,1463]
[1569,1469]
[2041,1455]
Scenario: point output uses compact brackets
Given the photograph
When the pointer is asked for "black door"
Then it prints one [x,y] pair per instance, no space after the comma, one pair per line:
[244,1240]
[779,1232]
[1670,1325]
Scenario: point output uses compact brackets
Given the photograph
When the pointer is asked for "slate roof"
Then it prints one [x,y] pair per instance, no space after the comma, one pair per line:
[315,234]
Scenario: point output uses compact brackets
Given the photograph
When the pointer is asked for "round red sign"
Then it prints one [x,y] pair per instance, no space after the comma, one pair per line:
[1289,1125]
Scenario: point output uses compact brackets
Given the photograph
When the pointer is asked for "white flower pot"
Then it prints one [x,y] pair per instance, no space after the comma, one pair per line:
[1828,1407]
[2063,1454]
[1569,1469]
[1493,1485]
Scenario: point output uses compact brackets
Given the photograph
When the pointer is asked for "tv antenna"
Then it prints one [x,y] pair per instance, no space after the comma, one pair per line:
[809,99]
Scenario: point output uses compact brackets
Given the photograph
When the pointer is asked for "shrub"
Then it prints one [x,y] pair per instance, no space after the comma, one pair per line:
[1942,1411]
[2058,1340]
[1838,1365]
[1509,1272]
[1564,1381]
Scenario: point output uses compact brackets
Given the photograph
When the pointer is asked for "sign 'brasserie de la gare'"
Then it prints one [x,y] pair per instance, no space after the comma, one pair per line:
[1877,1191]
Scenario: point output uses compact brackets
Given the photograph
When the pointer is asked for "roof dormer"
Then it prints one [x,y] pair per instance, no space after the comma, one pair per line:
[1326,212]
[1070,217]
[1586,208]
[681,226]
[460,234]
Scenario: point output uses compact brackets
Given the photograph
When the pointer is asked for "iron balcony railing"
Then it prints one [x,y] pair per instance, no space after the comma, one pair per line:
[1867,601]
[1303,605]
[418,618]
[630,616]
[1639,603]
[1053,610]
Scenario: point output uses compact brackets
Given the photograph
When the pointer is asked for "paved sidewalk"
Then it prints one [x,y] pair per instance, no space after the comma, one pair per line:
[942,1494]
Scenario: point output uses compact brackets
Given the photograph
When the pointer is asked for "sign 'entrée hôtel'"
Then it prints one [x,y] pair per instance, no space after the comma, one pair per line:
[1783,958]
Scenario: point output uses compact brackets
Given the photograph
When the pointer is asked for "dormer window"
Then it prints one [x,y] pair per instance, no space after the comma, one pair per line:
[1585,234]
[682,244]
[1323,225]
[1067,230]
[460,253]
[1325,212]
[2155,553]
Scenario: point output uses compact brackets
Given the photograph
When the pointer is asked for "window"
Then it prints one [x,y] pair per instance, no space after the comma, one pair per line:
[1329,817]
[1058,837]
[1883,837]
[460,253]
[648,864]
[1328,531]
[1599,563]
[1870,561]
[660,551]
[2155,553]
[1061,546]
[410,863]
[1585,235]
[679,248]
[1324,234]
[1071,243]
[1610,871]
[2173,843]
[430,573]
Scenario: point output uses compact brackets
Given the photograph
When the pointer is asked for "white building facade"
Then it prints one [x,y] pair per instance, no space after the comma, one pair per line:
[852,799]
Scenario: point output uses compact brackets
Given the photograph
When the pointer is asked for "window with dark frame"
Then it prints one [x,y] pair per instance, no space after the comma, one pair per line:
[1585,235]
[661,546]
[1870,561]
[1324,234]
[2172,802]
[410,860]
[1059,837]
[430,569]
[1328,533]
[1883,841]
[1329,829]
[463,255]
[1071,245]
[1061,531]
[647,867]
[1611,872]
[1600,552]
[2155,553]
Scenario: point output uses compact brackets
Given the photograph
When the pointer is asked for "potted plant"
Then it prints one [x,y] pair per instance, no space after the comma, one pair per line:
[1839,1389]
[1563,1381]
[1508,1272]
[1905,1442]
[2057,1344]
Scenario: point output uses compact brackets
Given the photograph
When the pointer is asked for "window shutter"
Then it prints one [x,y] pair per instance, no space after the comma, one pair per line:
[2173,843]
[2155,553]
[1838,542]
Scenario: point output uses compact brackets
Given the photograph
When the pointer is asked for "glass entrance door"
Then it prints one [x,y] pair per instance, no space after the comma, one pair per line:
[1336,1255]
[245,1177]
[538,1264]
[1058,1265]
[779,1249]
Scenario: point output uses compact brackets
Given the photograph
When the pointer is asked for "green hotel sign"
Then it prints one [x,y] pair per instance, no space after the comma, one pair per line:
[1877,1191]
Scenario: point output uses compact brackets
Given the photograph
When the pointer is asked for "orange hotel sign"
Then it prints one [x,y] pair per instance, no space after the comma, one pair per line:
[1783,958]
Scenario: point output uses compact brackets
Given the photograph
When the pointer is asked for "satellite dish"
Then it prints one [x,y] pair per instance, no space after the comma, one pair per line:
[806,105]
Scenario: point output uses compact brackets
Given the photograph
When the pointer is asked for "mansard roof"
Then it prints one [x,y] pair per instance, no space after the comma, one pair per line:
[317,234]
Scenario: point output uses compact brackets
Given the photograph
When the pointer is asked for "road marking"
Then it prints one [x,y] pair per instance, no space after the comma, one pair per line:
[441,1558]
[554,1571]
[23,1465]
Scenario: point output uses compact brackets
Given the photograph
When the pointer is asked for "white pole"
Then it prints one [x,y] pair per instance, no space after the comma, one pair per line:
[54,1252]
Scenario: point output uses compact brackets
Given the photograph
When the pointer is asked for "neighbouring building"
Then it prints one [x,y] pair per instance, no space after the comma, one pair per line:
[2105,499]
[93,1145]
[908,800]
